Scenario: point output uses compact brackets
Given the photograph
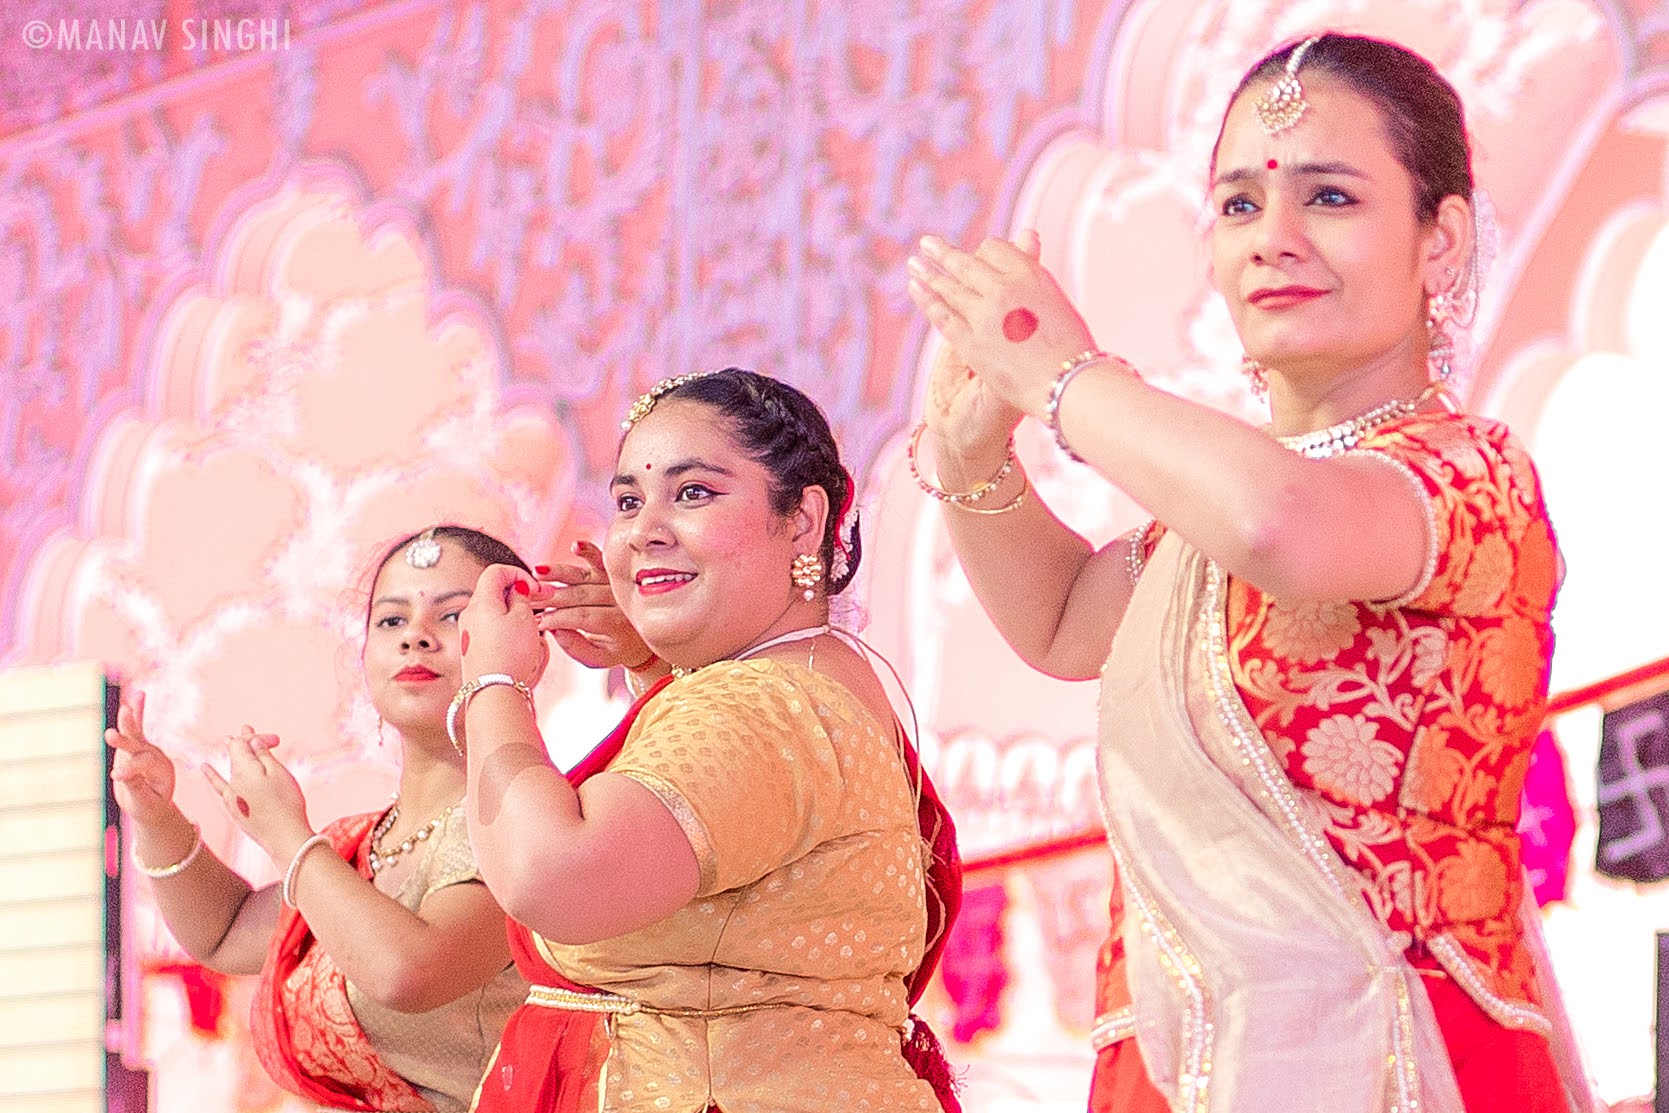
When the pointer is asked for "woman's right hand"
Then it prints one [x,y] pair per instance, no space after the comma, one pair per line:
[142,776]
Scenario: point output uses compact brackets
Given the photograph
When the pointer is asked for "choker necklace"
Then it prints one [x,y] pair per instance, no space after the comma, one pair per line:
[1345,435]
[382,859]
[781,639]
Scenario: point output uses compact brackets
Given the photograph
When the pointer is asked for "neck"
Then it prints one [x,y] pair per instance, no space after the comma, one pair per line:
[1303,403]
[429,782]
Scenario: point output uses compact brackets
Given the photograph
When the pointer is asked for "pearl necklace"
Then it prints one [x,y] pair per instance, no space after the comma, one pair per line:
[382,859]
[1345,435]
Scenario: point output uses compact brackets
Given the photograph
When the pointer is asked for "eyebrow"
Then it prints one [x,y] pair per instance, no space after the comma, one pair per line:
[404,601]
[1247,173]
[673,471]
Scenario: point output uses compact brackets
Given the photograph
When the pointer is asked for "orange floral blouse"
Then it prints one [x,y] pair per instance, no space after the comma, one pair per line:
[1410,722]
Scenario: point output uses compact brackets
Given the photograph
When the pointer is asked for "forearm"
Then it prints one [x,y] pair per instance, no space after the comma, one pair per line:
[202,903]
[514,789]
[1022,566]
[1293,527]
[386,950]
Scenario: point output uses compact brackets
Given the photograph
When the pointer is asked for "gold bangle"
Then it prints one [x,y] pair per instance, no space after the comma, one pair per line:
[158,872]
[951,497]
[1013,504]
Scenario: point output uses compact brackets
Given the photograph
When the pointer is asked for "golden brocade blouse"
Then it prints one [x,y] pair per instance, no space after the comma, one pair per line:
[1407,725]
[442,1052]
[811,908]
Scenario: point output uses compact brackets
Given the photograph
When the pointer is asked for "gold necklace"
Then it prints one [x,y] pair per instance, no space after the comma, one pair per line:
[1345,435]
[382,859]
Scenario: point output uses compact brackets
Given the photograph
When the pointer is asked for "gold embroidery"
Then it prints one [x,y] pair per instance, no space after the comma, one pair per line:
[1509,1014]
[688,821]
[1113,1027]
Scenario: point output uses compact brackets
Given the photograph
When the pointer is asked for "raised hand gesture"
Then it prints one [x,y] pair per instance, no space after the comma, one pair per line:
[142,776]
[576,605]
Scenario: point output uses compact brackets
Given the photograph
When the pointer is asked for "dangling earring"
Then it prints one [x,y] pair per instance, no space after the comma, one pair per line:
[1440,346]
[380,725]
[807,572]
[1256,375]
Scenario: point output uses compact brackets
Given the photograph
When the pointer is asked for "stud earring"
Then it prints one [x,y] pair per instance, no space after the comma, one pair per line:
[807,572]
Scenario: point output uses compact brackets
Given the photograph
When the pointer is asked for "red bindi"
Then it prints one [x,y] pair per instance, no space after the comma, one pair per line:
[1273,164]
[1019,324]
[649,467]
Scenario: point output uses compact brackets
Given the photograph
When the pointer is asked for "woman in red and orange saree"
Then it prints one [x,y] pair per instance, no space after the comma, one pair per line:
[1323,667]
[385,976]
[750,886]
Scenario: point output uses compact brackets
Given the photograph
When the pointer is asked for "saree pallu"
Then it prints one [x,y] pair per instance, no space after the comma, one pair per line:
[304,1029]
[1259,977]
[555,1049]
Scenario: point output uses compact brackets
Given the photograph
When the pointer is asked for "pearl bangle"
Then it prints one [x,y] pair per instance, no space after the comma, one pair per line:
[286,890]
[461,700]
[159,872]
[1052,408]
[953,498]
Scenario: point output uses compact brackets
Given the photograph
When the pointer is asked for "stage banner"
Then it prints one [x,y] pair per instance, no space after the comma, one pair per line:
[1634,792]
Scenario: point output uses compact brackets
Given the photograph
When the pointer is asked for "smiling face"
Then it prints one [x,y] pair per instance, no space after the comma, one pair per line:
[698,558]
[1316,246]
[412,658]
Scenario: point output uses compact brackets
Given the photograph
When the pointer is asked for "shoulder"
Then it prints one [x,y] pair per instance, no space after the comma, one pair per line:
[1469,444]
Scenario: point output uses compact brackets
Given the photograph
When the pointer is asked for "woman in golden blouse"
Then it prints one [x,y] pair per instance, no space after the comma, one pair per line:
[1324,664]
[736,906]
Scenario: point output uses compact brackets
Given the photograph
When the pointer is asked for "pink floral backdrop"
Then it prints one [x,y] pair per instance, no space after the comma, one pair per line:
[264,309]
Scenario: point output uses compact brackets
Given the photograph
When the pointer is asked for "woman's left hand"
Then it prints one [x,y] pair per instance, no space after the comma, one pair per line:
[498,631]
[262,796]
[1005,315]
[576,606]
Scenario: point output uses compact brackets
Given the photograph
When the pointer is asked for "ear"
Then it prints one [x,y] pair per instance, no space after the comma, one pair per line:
[807,522]
[1448,245]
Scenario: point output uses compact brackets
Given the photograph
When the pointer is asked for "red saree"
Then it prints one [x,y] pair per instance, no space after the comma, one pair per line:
[304,1028]
[549,1060]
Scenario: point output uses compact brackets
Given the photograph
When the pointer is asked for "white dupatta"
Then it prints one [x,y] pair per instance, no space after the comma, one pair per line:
[1260,978]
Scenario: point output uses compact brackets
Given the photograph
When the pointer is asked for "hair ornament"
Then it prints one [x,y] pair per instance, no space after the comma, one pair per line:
[646,401]
[424,550]
[1283,104]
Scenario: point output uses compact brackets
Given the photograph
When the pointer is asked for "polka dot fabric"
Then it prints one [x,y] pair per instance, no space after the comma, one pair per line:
[811,909]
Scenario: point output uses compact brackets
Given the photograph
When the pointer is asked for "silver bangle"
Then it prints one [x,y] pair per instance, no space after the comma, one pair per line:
[309,843]
[461,700]
[1052,409]
[158,872]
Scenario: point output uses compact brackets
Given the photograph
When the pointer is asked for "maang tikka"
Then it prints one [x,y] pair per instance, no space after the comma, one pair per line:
[424,550]
[1282,104]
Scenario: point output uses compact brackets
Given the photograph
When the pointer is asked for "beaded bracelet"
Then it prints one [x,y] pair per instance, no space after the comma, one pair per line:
[1052,409]
[158,872]
[949,497]
[1013,504]
[461,700]
[285,890]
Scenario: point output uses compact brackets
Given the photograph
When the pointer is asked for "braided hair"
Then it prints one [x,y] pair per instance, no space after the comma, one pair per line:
[784,432]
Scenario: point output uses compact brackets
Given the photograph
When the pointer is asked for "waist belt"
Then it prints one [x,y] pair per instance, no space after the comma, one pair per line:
[553,997]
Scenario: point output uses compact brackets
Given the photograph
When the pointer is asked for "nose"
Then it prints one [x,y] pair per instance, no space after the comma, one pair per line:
[417,637]
[1280,233]
[650,528]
